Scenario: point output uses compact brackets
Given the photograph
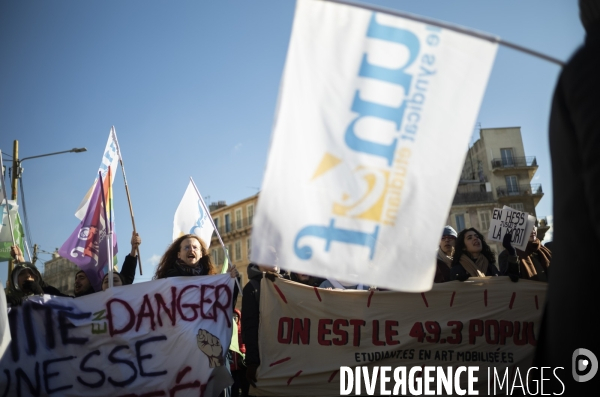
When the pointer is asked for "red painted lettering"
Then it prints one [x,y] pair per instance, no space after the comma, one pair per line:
[475,330]
[323,331]
[343,335]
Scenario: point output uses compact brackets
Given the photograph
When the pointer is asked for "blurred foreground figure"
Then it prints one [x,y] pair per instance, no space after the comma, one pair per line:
[573,282]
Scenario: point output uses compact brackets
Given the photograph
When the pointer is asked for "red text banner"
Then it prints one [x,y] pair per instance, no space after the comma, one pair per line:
[160,338]
[307,334]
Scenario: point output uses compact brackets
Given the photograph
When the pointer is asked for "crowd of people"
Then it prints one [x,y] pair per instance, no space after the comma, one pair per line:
[574,141]
[460,256]
[467,254]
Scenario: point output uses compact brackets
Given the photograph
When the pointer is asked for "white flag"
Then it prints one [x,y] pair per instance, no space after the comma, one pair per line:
[191,218]
[110,158]
[4,328]
[374,116]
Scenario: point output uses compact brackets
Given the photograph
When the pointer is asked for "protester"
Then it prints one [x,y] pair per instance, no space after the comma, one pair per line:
[125,277]
[531,264]
[574,146]
[26,281]
[472,256]
[82,284]
[444,255]
[305,279]
[331,283]
[187,256]
[127,272]
[117,280]
[251,314]
[240,385]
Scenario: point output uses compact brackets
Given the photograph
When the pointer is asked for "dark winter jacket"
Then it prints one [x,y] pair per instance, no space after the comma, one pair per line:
[507,261]
[16,295]
[179,271]
[311,282]
[251,313]
[574,148]
[442,272]
[128,269]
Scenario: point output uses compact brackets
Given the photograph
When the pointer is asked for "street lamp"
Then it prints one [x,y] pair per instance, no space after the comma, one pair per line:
[74,150]
[16,174]
[17,168]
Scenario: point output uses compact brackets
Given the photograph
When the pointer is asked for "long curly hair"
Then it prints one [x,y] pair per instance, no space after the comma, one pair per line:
[170,257]
[460,247]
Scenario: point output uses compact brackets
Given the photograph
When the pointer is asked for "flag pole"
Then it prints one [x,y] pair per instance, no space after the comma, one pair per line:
[27,248]
[458,29]
[12,235]
[216,231]
[127,193]
[108,240]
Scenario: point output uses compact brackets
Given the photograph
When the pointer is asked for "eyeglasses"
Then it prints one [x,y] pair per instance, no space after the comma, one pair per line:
[448,238]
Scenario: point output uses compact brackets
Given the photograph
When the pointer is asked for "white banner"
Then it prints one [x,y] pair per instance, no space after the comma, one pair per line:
[160,338]
[110,158]
[191,218]
[370,136]
[491,323]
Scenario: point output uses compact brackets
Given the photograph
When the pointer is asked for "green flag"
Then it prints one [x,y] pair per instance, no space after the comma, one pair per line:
[225,262]
[234,346]
[5,239]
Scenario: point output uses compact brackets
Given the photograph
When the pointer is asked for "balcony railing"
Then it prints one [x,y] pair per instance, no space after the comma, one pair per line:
[234,226]
[529,161]
[520,190]
[473,198]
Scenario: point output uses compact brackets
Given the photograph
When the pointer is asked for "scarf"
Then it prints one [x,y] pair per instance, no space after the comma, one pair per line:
[444,258]
[543,255]
[197,270]
[475,269]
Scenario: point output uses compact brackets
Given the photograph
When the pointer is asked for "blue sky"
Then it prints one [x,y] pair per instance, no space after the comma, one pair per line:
[191,88]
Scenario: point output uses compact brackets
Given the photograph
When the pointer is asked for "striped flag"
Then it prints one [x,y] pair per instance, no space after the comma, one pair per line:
[110,159]
[87,246]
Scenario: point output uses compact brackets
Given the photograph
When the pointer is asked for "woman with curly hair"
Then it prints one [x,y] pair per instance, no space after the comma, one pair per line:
[472,256]
[187,256]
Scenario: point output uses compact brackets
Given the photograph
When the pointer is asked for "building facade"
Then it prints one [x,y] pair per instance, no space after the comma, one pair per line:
[496,173]
[60,273]
[234,223]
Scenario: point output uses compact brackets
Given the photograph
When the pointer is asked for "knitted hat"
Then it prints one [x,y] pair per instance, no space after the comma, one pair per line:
[589,12]
[449,231]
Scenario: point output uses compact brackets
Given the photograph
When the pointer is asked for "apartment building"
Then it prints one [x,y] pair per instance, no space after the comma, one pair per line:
[234,223]
[497,172]
[60,273]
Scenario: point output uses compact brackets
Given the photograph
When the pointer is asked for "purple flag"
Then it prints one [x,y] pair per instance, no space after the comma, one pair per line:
[87,245]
